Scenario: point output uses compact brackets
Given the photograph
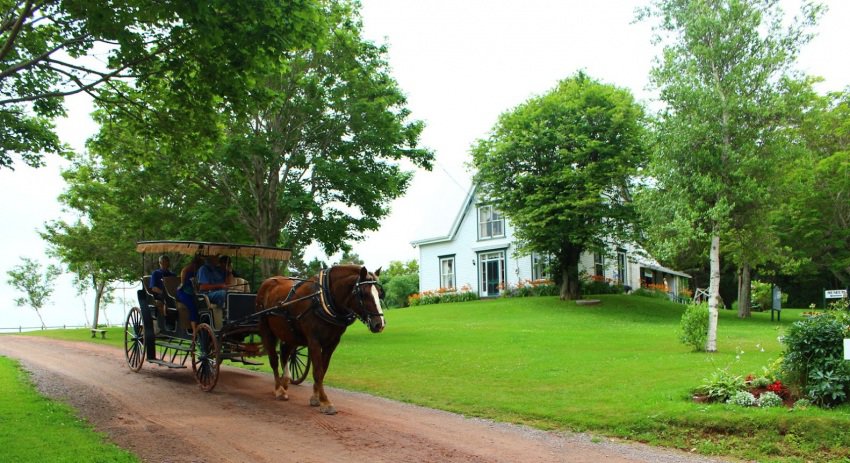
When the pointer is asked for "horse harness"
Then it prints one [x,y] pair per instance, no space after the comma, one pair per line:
[323,304]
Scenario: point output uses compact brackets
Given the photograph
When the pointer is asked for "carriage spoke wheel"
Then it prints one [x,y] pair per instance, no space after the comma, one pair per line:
[299,365]
[134,339]
[205,357]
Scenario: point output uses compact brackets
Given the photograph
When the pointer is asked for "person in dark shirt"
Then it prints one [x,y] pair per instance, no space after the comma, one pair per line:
[155,284]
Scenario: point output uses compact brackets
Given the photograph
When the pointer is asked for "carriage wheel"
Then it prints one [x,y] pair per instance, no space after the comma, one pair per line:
[205,357]
[134,339]
[299,365]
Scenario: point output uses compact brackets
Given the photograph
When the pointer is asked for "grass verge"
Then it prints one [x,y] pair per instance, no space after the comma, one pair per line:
[33,428]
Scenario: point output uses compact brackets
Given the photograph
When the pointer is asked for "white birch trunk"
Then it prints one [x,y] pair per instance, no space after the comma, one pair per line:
[714,301]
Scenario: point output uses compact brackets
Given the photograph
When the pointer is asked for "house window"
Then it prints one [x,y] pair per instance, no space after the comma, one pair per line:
[598,264]
[622,277]
[540,269]
[491,224]
[447,272]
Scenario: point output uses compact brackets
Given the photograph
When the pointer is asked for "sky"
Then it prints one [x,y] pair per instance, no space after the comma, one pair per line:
[461,64]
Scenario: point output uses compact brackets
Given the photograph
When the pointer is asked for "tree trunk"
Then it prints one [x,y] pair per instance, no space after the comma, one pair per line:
[96,313]
[714,301]
[37,312]
[570,289]
[744,292]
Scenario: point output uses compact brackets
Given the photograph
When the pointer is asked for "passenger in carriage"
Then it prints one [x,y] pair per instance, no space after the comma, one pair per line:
[186,292]
[214,277]
[156,286]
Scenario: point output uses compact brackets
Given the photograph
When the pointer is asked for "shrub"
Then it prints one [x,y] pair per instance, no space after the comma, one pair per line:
[762,294]
[813,359]
[769,399]
[650,292]
[529,288]
[721,385]
[693,329]
[399,288]
[760,382]
[743,399]
[443,295]
[595,284]
[802,404]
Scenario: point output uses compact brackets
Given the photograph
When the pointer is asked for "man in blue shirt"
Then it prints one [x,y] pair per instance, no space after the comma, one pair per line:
[213,277]
[155,284]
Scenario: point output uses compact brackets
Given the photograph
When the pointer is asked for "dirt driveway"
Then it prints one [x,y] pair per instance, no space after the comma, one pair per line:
[160,415]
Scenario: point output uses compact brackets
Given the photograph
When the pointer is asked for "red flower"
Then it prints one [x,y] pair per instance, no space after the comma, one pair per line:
[776,387]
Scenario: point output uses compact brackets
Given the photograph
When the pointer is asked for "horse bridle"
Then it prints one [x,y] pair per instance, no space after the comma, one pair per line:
[357,291]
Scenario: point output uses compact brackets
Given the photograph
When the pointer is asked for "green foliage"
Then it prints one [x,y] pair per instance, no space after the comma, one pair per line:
[761,381]
[769,399]
[762,294]
[814,359]
[693,328]
[559,166]
[205,53]
[742,399]
[528,288]
[650,292]
[400,288]
[722,385]
[312,154]
[37,286]
[443,296]
[33,428]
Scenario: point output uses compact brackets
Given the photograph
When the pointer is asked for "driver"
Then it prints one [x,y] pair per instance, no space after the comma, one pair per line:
[156,286]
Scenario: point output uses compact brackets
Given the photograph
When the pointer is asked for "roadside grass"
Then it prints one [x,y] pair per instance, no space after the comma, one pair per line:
[616,369]
[33,428]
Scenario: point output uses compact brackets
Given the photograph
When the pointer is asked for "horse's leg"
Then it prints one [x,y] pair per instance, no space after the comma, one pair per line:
[286,351]
[270,344]
[319,397]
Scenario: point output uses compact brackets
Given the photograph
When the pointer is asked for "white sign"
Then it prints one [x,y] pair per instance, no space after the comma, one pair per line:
[835,293]
[847,349]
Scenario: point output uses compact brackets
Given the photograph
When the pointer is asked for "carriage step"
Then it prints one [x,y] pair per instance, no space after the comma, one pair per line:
[166,364]
[180,347]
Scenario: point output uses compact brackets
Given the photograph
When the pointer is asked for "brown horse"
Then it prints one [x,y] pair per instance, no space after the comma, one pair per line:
[315,313]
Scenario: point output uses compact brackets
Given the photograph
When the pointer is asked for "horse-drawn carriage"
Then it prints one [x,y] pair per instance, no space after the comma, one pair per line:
[292,313]
[159,331]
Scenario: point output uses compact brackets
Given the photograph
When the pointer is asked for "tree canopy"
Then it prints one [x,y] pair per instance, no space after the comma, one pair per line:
[560,167]
[206,52]
[725,76]
[37,286]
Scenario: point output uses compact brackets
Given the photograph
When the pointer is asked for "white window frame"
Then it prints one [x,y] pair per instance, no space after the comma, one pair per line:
[540,266]
[488,221]
[448,276]
[599,264]
[622,267]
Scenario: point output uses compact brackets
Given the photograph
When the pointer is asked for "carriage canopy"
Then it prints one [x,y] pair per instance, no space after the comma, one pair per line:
[211,249]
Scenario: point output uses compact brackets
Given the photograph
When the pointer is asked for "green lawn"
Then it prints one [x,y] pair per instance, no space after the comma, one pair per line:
[615,369]
[33,428]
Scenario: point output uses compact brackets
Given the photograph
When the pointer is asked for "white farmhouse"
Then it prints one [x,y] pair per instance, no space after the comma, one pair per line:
[480,252]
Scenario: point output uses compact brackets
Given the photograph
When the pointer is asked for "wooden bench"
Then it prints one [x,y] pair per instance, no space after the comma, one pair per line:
[95,331]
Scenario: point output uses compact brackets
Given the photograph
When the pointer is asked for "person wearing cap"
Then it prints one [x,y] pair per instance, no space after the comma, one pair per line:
[155,284]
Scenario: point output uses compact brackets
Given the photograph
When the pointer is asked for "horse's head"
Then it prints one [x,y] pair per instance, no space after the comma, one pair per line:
[367,294]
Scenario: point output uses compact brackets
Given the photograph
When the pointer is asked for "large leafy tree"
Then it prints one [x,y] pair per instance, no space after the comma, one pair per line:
[311,153]
[815,219]
[560,166]
[724,72]
[204,51]
[37,286]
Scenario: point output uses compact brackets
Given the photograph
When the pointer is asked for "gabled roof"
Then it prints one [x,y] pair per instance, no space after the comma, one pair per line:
[470,196]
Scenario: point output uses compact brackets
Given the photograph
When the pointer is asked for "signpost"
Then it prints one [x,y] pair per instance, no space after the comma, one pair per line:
[833,294]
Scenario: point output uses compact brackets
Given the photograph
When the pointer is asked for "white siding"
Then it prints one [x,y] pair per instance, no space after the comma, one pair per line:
[464,245]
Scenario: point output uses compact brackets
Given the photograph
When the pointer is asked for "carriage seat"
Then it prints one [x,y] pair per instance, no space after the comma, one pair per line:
[152,300]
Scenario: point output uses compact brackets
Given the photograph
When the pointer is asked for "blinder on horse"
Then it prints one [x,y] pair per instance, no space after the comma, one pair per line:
[327,308]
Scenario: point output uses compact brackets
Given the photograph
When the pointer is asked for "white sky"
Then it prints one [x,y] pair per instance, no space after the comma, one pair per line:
[461,64]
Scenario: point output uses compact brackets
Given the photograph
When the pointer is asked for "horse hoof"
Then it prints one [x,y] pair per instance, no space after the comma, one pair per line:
[282,397]
[329,410]
[314,402]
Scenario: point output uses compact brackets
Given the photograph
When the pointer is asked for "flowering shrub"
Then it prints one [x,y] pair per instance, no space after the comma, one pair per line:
[743,399]
[769,399]
[597,284]
[526,288]
[443,296]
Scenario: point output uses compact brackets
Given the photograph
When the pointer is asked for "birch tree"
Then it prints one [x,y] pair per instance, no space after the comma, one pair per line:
[724,72]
